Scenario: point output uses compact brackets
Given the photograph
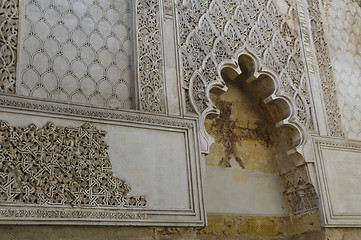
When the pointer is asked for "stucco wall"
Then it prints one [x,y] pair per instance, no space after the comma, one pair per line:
[344,37]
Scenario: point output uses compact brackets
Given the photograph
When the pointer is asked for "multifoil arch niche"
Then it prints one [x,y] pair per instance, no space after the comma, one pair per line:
[288,133]
[258,41]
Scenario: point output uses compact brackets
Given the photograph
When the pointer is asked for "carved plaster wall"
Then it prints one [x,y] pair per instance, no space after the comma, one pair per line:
[211,32]
[344,37]
[9,25]
[59,166]
[83,52]
[77,51]
[326,74]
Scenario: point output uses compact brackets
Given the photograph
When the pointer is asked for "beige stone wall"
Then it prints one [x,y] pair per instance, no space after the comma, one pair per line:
[343,234]
[219,228]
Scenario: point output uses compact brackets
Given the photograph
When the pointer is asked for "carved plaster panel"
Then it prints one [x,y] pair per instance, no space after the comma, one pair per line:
[150,57]
[326,70]
[299,191]
[59,166]
[9,25]
[214,31]
[344,37]
[51,174]
[77,51]
[83,52]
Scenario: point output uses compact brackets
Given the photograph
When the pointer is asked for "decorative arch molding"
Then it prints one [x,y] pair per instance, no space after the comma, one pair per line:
[263,84]
[212,36]
[212,31]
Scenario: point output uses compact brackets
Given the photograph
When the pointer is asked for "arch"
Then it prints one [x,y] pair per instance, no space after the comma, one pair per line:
[263,84]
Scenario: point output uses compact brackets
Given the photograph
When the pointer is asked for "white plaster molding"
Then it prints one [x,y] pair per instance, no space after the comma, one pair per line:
[337,164]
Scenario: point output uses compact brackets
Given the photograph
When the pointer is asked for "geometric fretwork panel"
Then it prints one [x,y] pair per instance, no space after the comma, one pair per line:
[77,51]
[59,166]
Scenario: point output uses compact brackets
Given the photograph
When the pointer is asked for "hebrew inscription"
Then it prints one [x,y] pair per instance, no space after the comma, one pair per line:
[77,51]
[9,24]
[59,166]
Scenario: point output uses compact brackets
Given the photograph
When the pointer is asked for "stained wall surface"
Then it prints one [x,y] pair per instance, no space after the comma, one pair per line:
[242,173]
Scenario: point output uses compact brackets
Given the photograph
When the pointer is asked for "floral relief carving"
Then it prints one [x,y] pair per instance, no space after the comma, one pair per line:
[59,166]
[214,31]
[9,24]
[150,62]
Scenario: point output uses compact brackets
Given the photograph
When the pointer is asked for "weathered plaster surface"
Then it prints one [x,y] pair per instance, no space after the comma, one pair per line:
[245,192]
[241,132]
[344,37]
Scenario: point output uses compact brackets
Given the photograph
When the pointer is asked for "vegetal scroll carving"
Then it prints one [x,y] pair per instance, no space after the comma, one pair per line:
[150,62]
[326,73]
[9,24]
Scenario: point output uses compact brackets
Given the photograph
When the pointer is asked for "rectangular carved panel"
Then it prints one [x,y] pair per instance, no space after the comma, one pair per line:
[77,51]
[122,168]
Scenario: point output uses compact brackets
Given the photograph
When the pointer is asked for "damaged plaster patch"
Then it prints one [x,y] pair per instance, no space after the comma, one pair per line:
[241,132]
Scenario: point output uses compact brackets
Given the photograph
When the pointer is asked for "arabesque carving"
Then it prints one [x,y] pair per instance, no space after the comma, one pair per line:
[326,72]
[9,24]
[214,31]
[59,166]
[150,57]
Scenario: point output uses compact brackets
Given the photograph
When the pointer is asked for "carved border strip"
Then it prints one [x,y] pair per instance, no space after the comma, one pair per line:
[326,74]
[21,103]
[68,213]
[9,24]
[150,56]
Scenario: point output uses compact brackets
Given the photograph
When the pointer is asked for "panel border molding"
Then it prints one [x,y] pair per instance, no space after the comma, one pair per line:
[194,216]
[330,218]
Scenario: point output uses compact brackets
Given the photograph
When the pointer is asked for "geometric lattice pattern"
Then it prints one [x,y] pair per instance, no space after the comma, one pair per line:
[344,21]
[59,166]
[77,51]
[9,24]
[212,31]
